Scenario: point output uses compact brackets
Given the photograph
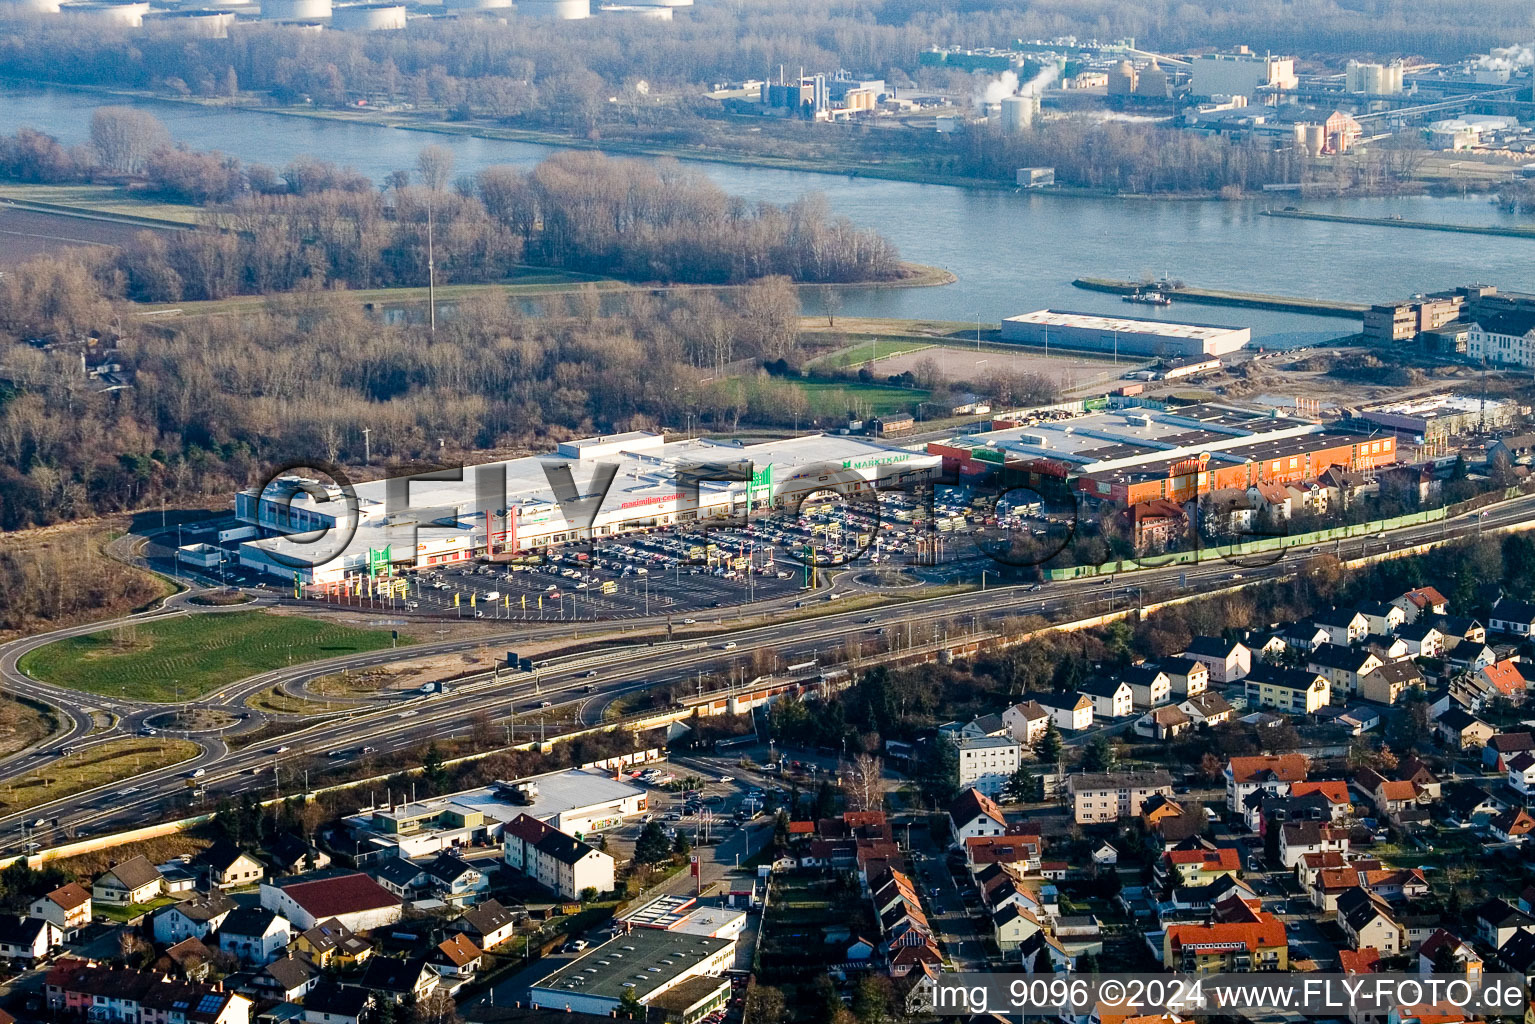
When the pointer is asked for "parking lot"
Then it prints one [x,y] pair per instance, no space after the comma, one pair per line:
[707,565]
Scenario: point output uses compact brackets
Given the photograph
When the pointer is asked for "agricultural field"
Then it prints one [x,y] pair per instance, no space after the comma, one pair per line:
[191,655]
[93,766]
[25,234]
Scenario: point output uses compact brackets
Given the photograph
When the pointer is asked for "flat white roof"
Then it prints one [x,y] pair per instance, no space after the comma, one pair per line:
[1123,324]
[558,793]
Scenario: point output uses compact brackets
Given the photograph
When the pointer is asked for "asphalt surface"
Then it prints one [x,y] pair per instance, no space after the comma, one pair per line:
[406,721]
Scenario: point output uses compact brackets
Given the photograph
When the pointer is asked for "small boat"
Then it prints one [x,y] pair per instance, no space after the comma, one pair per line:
[1149,298]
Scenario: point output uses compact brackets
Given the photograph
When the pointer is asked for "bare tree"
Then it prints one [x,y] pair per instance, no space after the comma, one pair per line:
[864,786]
[125,138]
[434,166]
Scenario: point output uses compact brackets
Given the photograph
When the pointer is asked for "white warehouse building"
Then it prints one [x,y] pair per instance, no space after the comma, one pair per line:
[585,490]
[1123,334]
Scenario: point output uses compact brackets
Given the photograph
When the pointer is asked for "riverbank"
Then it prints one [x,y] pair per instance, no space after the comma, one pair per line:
[1217,297]
[1499,230]
[728,151]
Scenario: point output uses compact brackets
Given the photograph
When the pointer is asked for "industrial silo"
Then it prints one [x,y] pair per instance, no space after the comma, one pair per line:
[129,14]
[1316,139]
[476,5]
[559,10]
[1122,79]
[295,10]
[1018,113]
[368,17]
[26,8]
[208,24]
[650,12]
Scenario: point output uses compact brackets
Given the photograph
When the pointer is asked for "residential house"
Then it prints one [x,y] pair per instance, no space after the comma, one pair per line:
[1461,730]
[1198,866]
[1505,679]
[1207,709]
[330,1002]
[1071,712]
[555,860]
[1112,698]
[1163,723]
[1272,773]
[1423,640]
[1447,947]
[1297,838]
[1515,618]
[1344,626]
[1227,660]
[1460,627]
[1513,825]
[1421,601]
[975,814]
[1333,793]
[1114,795]
[404,878]
[352,898]
[1287,689]
[27,938]
[119,994]
[1026,722]
[1011,925]
[191,958]
[135,880]
[1188,677]
[229,867]
[331,942]
[1367,921]
[1020,851]
[1342,667]
[1150,687]
[1411,769]
[1381,617]
[457,882]
[288,978]
[291,855]
[1390,682]
[1497,921]
[255,935]
[1468,655]
[1500,748]
[1386,648]
[456,958]
[1227,947]
[398,980]
[988,762]
[67,908]
[489,924]
[1521,774]
[194,918]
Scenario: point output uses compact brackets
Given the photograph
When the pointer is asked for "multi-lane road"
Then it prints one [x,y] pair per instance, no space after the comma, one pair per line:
[579,689]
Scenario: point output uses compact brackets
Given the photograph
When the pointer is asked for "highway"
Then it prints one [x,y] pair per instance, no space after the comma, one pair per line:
[404,721]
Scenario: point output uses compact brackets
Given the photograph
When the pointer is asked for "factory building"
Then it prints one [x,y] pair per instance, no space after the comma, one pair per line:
[1373,79]
[1139,454]
[1239,74]
[1434,417]
[644,964]
[1122,334]
[586,489]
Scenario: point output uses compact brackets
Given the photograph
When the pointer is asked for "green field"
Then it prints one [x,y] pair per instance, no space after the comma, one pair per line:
[103,199]
[828,398]
[878,348]
[189,656]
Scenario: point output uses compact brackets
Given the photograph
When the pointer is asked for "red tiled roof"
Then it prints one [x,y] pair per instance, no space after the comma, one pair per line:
[1284,767]
[1225,859]
[1505,677]
[1363,961]
[1335,790]
[70,896]
[1265,934]
[346,894]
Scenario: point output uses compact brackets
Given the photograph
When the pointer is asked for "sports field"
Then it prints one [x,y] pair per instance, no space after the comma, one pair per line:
[192,655]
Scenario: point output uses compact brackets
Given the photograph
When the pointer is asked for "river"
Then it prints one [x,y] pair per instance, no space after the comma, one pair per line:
[1012,252]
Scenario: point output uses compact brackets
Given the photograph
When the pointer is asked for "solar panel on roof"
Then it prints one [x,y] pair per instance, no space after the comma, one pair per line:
[210,1003]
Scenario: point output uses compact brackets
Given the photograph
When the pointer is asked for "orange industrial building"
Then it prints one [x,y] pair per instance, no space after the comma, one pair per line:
[1137,454]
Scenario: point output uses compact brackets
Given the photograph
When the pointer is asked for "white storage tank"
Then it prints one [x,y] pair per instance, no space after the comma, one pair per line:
[25,8]
[127,15]
[651,11]
[560,10]
[208,24]
[368,17]
[476,5]
[294,10]
[1018,113]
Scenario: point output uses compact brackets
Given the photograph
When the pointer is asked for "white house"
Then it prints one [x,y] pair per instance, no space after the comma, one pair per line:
[255,935]
[558,862]
[1072,712]
[1112,698]
[351,897]
[1516,618]
[1026,722]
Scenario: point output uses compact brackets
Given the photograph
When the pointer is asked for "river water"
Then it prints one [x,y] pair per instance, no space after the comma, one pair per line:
[1012,252]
